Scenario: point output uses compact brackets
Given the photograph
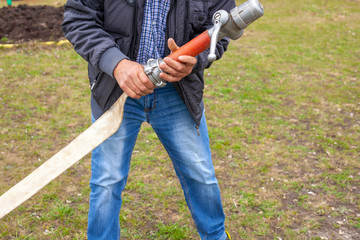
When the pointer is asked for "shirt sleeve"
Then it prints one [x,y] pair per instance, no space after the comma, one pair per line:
[83,27]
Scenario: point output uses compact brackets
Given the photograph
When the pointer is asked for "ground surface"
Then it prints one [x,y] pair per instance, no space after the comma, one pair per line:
[24,23]
[283,113]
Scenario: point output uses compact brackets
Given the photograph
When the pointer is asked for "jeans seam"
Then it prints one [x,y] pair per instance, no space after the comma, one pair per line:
[147,109]
[187,194]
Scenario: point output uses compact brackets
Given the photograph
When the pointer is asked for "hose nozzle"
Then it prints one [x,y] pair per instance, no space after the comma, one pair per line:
[247,13]
[233,24]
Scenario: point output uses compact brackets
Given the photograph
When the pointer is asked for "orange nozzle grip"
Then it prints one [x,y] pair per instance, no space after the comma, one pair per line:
[194,47]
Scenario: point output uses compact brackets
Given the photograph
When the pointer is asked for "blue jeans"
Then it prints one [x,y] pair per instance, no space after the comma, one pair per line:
[190,154]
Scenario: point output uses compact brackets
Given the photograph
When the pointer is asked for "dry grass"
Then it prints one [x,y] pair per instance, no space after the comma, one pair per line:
[284,119]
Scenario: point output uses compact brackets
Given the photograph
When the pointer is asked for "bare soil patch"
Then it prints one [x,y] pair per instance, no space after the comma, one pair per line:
[25,23]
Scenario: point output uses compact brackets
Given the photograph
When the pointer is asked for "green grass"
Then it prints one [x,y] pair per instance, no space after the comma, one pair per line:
[284,120]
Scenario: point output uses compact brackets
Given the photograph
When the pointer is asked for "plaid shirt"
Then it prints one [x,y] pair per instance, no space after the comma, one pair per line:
[152,41]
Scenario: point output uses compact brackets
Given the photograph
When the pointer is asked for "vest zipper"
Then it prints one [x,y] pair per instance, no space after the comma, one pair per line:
[133,43]
[187,9]
[99,75]
[166,52]
[197,129]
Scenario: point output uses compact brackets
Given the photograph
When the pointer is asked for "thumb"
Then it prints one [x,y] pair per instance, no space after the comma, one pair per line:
[172,45]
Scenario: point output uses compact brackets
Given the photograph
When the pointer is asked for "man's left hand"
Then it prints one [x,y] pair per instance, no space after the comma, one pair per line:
[174,71]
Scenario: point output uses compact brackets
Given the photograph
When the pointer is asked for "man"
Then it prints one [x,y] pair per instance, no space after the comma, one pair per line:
[116,37]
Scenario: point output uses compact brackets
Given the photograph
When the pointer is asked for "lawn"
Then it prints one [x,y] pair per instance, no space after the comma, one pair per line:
[283,111]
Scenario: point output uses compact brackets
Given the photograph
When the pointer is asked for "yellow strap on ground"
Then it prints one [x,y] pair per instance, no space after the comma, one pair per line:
[58,43]
[7,45]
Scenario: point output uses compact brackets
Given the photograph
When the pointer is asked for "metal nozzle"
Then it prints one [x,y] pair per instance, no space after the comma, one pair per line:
[220,19]
[247,13]
[152,70]
[232,25]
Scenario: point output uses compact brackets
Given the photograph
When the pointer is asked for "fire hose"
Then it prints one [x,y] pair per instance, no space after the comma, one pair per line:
[226,24]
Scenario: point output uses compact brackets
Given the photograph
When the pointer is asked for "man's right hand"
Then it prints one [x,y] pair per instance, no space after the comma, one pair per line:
[132,79]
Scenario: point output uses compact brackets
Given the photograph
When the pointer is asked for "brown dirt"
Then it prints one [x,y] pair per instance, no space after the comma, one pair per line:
[25,23]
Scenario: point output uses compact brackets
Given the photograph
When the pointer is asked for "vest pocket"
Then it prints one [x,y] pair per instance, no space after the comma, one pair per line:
[198,15]
[102,88]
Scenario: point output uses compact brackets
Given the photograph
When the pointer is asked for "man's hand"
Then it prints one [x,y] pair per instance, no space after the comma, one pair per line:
[174,71]
[132,79]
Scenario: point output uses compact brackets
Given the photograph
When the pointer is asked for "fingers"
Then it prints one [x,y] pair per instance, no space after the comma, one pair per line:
[189,60]
[145,81]
[132,79]
[139,84]
[176,70]
[172,45]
